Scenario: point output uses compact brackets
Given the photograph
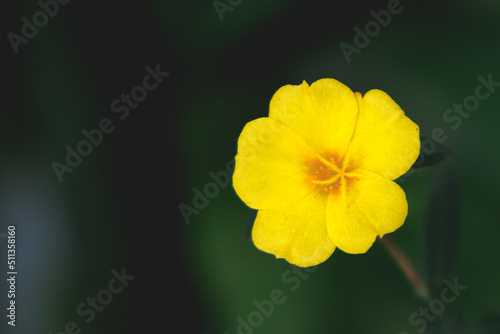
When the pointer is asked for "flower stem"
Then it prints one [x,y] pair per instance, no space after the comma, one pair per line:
[407,267]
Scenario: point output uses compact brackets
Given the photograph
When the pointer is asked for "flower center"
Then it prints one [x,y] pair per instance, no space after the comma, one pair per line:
[330,172]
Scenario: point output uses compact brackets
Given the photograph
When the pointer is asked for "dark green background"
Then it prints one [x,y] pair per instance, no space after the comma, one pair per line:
[119,208]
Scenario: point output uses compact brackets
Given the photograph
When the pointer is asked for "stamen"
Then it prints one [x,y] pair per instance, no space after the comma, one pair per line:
[326,172]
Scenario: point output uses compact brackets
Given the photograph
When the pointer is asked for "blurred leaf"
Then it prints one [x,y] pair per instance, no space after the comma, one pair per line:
[441,229]
[449,322]
[431,153]
[489,325]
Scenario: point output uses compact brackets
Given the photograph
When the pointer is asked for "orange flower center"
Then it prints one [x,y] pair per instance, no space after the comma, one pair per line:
[331,173]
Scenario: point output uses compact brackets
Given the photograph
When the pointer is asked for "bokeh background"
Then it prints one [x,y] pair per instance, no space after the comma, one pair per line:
[120,207]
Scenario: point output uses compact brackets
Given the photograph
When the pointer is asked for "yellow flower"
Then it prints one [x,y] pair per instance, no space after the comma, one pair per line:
[319,169]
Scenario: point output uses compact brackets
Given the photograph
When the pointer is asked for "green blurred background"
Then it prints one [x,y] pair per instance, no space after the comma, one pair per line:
[120,206]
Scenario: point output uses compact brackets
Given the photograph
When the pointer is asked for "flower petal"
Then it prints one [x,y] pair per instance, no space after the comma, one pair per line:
[296,233]
[385,141]
[324,114]
[270,165]
[371,206]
